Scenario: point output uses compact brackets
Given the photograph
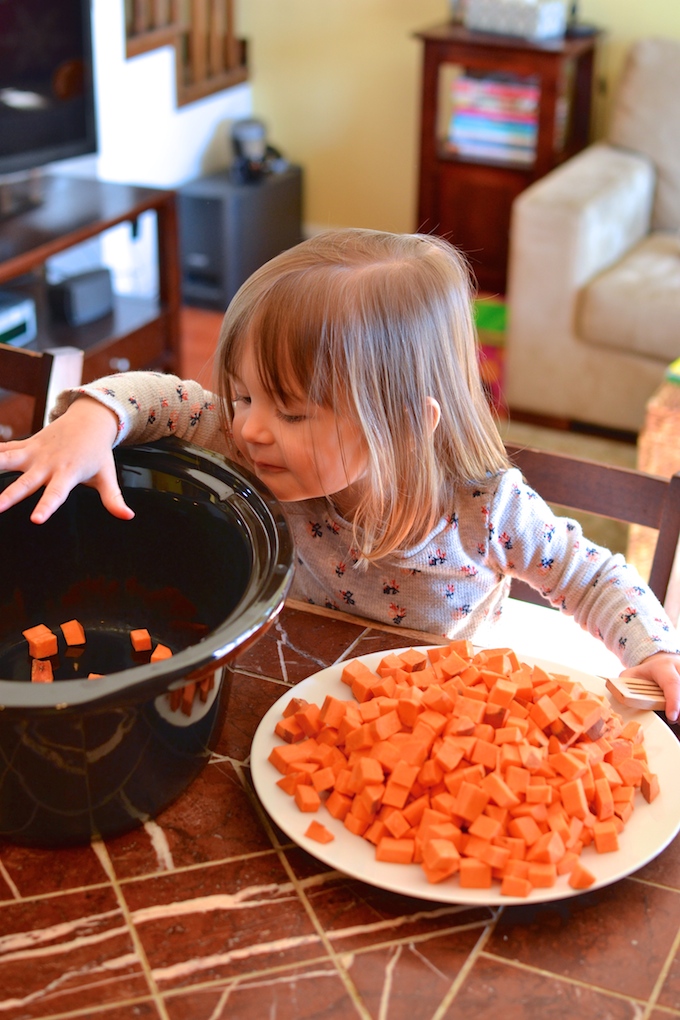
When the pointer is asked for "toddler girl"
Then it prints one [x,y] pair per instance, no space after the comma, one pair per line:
[347,380]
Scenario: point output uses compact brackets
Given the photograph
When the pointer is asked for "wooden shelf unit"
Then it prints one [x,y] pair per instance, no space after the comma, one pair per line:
[466,199]
[139,333]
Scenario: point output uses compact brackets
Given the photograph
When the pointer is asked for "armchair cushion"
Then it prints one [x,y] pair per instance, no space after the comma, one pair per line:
[646,119]
[634,305]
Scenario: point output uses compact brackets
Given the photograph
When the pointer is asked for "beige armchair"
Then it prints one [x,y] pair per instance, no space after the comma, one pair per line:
[593,292]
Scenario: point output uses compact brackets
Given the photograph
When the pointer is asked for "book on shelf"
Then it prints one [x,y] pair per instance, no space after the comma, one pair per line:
[497,153]
[494,117]
[466,126]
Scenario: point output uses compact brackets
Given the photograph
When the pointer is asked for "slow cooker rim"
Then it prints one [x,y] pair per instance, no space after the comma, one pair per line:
[140,683]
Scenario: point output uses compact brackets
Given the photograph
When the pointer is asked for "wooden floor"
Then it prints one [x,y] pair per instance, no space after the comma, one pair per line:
[200,329]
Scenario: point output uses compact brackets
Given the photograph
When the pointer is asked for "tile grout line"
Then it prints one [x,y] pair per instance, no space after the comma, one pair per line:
[574,982]
[102,853]
[13,888]
[350,987]
[86,1011]
[661,978]
[470,962]
[335,955]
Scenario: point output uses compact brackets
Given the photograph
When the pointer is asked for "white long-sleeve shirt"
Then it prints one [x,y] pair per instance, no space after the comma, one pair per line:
[456,581]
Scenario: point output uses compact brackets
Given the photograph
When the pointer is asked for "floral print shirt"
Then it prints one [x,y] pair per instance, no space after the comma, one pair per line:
[455,582]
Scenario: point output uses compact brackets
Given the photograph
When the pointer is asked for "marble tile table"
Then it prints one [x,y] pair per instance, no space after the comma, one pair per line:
[209,912]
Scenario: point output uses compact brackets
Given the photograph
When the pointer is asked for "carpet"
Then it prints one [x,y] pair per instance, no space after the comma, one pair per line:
[490,319]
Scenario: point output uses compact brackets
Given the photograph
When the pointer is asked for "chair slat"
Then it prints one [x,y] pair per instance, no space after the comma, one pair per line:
[27,372]
[621,494]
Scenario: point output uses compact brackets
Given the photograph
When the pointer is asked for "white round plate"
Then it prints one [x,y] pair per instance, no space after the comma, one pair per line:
[649,830]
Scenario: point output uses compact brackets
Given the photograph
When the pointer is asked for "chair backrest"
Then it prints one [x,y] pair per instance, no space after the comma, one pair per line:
[622,494]
[39,375]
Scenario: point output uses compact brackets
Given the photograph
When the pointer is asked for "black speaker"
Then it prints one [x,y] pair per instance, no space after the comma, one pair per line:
[80,299]
[228,229]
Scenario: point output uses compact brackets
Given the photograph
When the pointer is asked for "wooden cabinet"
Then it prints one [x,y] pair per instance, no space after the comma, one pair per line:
[468,198]
[139,332]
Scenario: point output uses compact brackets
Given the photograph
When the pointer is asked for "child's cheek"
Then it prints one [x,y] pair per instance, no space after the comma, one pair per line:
[238,436]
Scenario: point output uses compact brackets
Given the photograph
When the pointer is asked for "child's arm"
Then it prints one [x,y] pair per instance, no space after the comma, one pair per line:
[76,447]
[151,405]
[603,593]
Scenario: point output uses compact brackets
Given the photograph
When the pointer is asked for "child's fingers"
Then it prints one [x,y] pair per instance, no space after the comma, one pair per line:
[111,496]
[664,669]
[25,485]
[52,498]
[61,484]
[672,693]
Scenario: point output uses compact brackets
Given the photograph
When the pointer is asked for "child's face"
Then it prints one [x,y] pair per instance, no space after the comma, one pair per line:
[300,450]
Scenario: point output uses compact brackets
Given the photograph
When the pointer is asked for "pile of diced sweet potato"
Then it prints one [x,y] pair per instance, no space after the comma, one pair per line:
[43,647]
[467,763]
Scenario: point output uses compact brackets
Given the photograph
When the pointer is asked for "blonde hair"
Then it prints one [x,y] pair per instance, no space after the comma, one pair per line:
[371,324]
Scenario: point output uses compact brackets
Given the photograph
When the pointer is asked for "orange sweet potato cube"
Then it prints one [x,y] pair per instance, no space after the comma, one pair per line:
[474,873]
[514,885]
[650,786]
[73,631]
[542,875]
[306,798]
[332,711]
[309,718]
[289,729]
[580,877]
[412,660]
[351,670]
[396,851]
[605,836]
[439,854]
[141,640]
[396,823]
[603,801]
[318,832]
[290,781]
[42,642]
[631,771]
[338,805]
[471,801]
[41,671]
[574,798]
[160,652]
[188,695]
[323,779]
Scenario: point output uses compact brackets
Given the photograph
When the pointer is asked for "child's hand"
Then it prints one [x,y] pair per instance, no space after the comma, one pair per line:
[664,668]
[77,447]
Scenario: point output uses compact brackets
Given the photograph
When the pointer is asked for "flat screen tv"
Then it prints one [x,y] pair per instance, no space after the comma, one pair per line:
[47,106]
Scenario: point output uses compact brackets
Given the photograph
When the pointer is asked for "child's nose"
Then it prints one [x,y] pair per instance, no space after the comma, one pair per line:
[257,427]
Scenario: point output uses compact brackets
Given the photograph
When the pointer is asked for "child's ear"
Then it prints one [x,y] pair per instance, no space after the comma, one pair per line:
[434,413]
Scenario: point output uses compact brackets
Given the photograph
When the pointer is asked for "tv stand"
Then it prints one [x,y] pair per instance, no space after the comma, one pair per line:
[139,333]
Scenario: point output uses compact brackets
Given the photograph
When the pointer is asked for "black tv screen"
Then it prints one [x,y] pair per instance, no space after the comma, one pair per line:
[47,108]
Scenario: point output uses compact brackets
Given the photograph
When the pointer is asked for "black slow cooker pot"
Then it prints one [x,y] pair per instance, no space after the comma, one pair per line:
[204,567]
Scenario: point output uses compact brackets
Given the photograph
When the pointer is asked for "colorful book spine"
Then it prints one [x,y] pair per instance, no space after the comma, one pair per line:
[494,118]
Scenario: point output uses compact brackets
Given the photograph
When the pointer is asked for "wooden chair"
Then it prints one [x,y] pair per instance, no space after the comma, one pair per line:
[40,375]
[622,494]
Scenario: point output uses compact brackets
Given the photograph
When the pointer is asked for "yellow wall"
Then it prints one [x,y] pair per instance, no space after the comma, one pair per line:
[624,21]
[338,84]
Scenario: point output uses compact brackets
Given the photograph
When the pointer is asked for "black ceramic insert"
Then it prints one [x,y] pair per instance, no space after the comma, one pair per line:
[204,567]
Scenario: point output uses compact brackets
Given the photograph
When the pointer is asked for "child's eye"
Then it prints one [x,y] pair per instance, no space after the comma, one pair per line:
[240,398]
[290,419]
